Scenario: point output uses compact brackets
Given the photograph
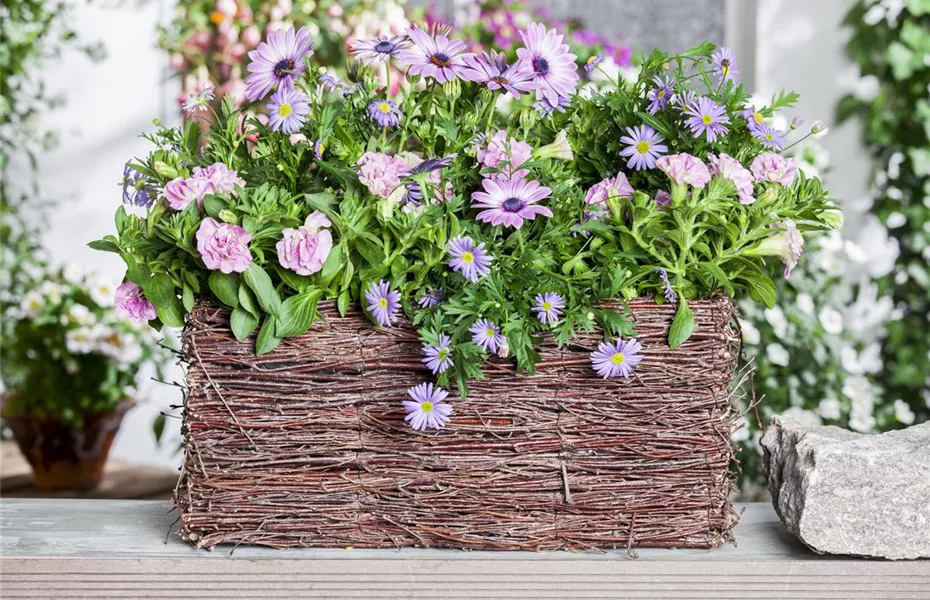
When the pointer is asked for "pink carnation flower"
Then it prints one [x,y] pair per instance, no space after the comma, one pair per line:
[381,173]
[769,166]
[181,192]
[132,304]
[219,178]
[684,169]
[223,247]
[505,154]
[728,167]
[304,249]
[609,188]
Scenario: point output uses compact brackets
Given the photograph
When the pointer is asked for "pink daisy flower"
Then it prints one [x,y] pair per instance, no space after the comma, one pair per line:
[437,57]
[510,201]
[551,62]
[279,61]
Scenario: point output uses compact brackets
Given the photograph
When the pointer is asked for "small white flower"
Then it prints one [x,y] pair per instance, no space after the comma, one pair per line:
[123,348]
[903,412]
[862,422]
[82,340]
[751,335]
[870,359]
[776,318]
[831,320]
[802,415]
[72,366]
[32,305]
[101,290]
[855,253]
[52,291]
[850,360]
[829,408]
[859,391]
[895,220]
[81,315]
[75,273]
[777,355]
[805,304]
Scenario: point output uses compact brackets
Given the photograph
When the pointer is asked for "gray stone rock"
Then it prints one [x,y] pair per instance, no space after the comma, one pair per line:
[841,492]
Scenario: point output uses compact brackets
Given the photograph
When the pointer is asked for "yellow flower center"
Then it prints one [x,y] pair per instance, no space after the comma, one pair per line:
[443,354]
[618,358]
[725,67]
[758,118]
[707,119]
[769,137]
[285,110]
[384,107]
[547,306]
[468,258]
[661,94]
[642,147]
[426,407]
[592,59]
[382,302]
[489,333]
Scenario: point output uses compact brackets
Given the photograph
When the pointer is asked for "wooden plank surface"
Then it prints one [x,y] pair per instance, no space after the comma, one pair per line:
[118,549]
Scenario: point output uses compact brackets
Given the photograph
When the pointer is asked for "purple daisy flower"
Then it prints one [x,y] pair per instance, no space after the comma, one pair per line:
[670,296]
[547,307]
[487,335]
[660,94]
[318,149]
[383,304]
[706,117]
[380,49]
[287,110]
[433,164]
[644,146]
[279,61]
[593,62]
[468,259]
[725,65]
[551,63]
[432,298]
[437,57]
[753,116]
[684,99]
[135,190]
[427,410]
[492,70]
[413,194]
[439,358]
[200,100]
[769,136]
[543,107]
[385,113]
[619,358]
[510,201]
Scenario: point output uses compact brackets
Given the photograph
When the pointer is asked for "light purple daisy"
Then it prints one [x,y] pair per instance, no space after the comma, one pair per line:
[510,201]
[644,146]
[670,296]
[593,62]
[383,304]
[487,335]
[287,110]
[619,358]
[544,108]
[432,298]
[427,410]
[468,259]
[380,49]
[684,99]
[439,358]
[552,64]
[769,136]
[318,149]
[548,307]
[492,70]
[725,65]
[200,100]
[706,117]
[385,113]
[437,57]
[753,116]
[661,94]
[279,61]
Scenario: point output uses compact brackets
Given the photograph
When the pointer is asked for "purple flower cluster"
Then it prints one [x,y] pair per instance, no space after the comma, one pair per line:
[670,296]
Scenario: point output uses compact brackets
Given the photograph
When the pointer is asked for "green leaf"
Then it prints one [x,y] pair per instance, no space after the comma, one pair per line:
[187,298]
[158,427]
[105,245]
[257,279]
[333,264]
[321,201]
[226,287]
[247,300]
[159,289]
[293,280]
[761,288]
[212,205]
[172,314]
[297,314]
[267,340]
[682,325]
[121,219]
[242,323]
[719,275]
[372,253]
[342,303]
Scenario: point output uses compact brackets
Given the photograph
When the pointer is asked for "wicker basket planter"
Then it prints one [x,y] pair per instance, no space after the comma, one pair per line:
[307,446]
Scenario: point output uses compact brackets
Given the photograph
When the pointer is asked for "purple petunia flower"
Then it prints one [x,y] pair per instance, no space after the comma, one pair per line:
[385,113]
[279,61]
[432,298]
[487,335]
[468,259]
[383,304]
[288,110]
[492,70]
[725,65]
[768,135]
[670,296]
[439,358]
[619,358]
[644,146]
[550,61]
[548,307]
[427,410]
[437,57]
[510,201]
[706,117]
[380,49]
[593,62]
[660,95]
[200,100]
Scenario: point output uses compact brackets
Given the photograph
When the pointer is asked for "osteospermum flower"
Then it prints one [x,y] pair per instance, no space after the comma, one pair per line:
[487,335]
[200,100]
[492,70]
[725,65]
[380,49]
[660,94]
[383,304]
[439,358]
[288,110]
[279,61]
[644,146]
[437,57]
[510,201]
[432,298]
[427,409]
[593,62]
[706,117]
[385,113]
[553,66]
[136,192]
[548,307]
[619,358]
[543,106]
[471,260]
[769,136]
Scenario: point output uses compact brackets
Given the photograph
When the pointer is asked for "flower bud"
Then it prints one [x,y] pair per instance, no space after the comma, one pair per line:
[560,149]
[504,350]
[228,216]
[528,119]
[163,168]
[796,122]
[452,89]
[833,218]
[819,127]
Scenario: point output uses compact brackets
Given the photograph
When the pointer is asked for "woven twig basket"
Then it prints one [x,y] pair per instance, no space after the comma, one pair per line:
[307,445]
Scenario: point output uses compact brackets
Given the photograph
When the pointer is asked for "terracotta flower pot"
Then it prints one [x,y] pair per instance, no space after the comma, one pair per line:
[63,457]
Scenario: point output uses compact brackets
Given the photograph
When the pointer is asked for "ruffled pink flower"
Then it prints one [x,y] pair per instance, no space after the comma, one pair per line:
[181,192]
[220,179]
[381,173]
[304,249]
[728,167]
[505,154]
[684,169]
[223,247]
[132,304]
[609,188]
[769,166]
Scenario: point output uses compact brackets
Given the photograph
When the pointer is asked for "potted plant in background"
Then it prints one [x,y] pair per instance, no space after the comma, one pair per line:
[69,369]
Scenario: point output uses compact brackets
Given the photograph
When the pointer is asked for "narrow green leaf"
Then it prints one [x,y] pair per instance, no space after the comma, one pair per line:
[297,314]
[682,325]
[242,323]
[342,303]
[257,279]
[158,427]
[267,340]
[226,287]
[373,254]
[105,245]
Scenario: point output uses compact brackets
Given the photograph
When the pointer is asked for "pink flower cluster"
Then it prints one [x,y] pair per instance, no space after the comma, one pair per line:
[614,187]
[773,167]
[684,169]
[730,168]
[381,173]
[223,247]
[215,179]
[132,304]
[304,249]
